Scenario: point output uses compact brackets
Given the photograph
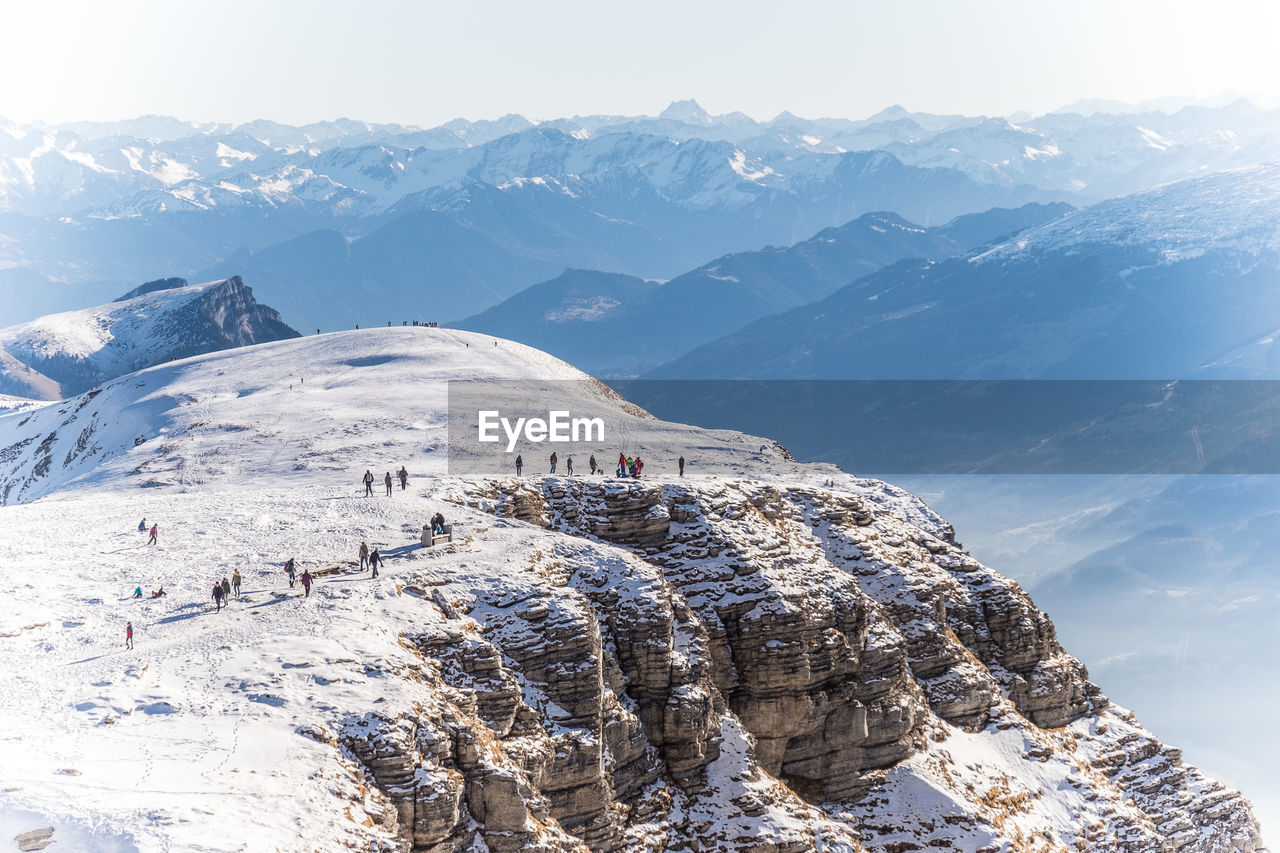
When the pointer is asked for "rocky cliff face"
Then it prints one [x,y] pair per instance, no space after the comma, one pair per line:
[754,667]
[65,354]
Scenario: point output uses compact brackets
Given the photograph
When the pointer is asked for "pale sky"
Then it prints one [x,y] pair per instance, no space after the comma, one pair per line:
[426,62]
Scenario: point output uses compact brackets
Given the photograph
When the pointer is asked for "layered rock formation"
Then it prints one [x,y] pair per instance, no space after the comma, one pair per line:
[756,667]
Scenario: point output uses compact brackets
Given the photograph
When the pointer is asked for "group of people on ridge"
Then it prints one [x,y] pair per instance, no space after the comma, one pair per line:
[371,559]
[222,590]
[627,466]
[225,588]
[402,475]
[291,571]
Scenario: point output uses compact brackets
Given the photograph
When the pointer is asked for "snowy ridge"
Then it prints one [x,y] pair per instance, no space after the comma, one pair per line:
[763,656]
[1236,211]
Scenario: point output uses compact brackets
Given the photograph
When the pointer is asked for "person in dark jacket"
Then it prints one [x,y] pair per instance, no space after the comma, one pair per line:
[368,483]
[519,464]
[591,463]
[218,595]
[568,466]
[680,462]
[290,571]
[404,478]
[387,481]
[554,459]
[226,590]
[375,560]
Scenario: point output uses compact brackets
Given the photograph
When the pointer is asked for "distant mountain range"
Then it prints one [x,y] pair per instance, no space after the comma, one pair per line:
[1182,281]
[616,325]
[469,213]
[62,355]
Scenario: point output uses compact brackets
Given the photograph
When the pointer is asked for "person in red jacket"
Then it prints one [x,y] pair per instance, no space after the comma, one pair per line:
[306,579]
[128,635]
[155,529]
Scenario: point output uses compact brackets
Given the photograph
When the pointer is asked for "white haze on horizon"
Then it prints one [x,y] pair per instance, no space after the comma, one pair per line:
[427,63]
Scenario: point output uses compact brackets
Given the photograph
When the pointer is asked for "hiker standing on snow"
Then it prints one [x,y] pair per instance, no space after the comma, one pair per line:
[387,480]
[128,635]
[155,530]
[680,462]
[404,478]
[306,582]
[519,464]
[290,571]
[375,560]
[592,463]
[554,458]
[568,465]
[364,556]
[217,596]
[368,483]
[226,590]
[235,582]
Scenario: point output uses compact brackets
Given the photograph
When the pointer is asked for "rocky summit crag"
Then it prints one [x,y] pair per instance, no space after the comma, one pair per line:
[757,667]
[61,355]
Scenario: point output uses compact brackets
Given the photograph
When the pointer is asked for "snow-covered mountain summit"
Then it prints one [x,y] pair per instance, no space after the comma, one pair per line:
[1237,211]
[761,656]
[307,410]
[63,354]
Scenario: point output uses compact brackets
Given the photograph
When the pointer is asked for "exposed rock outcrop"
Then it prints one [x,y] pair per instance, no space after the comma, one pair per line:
[745,666]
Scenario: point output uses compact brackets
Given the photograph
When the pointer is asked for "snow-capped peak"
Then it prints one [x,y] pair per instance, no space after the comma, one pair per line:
[1237,210]
[687,111]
